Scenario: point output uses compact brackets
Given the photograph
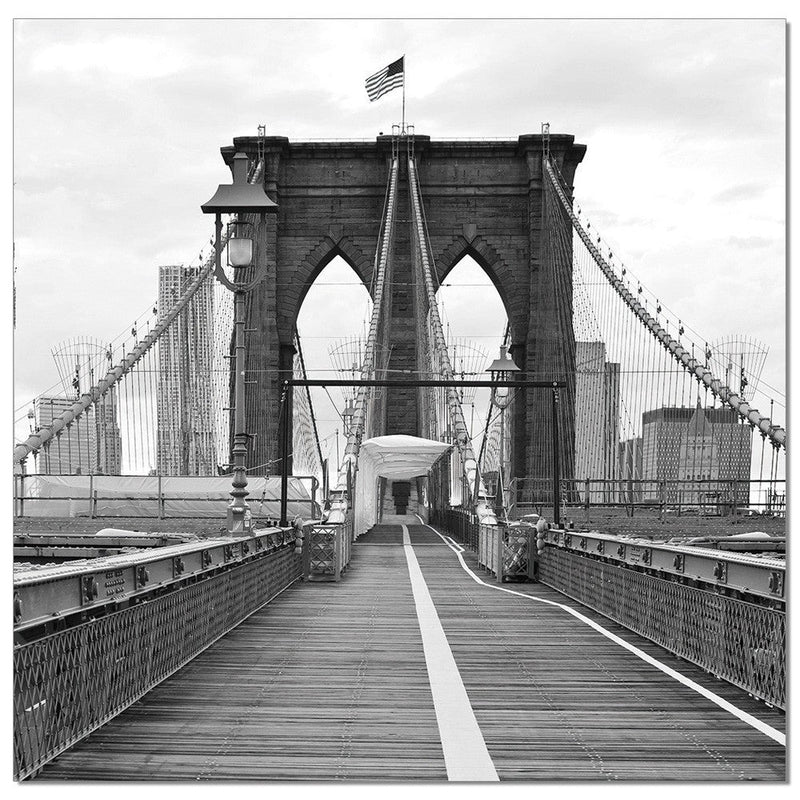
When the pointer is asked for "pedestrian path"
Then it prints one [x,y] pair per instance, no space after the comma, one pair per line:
[409,668]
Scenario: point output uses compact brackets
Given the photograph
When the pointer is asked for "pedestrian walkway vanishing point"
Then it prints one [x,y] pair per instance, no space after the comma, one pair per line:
[418,666]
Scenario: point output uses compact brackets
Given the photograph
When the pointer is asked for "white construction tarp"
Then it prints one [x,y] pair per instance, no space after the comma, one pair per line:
[138,496]
[395,457]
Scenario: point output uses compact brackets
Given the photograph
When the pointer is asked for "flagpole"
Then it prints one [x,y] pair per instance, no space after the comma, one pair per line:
[403,121]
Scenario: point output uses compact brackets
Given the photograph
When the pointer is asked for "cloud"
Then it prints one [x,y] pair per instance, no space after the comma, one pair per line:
[750,242]
[118,125]
[117,55]
[742,191]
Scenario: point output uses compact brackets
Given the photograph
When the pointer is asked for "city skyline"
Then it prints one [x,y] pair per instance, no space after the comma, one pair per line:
[688,211]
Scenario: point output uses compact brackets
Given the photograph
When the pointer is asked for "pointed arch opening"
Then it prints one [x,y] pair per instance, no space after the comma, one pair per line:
[333,318]
[474,319]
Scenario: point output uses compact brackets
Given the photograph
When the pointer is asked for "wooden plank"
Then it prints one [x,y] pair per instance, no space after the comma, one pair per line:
[329,682]
[557,701]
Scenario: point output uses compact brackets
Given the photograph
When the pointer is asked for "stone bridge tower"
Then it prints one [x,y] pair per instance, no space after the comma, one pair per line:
[482,198]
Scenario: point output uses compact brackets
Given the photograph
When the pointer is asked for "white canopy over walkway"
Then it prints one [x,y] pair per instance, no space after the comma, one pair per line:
[397,457]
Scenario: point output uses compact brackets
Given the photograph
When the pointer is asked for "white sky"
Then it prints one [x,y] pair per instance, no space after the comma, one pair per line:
[118,123]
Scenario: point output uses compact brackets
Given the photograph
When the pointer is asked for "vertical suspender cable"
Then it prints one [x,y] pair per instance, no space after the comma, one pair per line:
[474,482]
[339,496]
[776,433]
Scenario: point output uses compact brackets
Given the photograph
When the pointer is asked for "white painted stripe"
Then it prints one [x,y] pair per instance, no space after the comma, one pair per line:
[749,719]
[466,757]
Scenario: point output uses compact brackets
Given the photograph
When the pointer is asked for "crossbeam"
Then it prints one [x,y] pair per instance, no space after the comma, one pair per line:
[552,385]
[454,383]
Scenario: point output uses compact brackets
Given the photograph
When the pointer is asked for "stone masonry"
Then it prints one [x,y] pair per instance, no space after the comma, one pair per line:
[482,198]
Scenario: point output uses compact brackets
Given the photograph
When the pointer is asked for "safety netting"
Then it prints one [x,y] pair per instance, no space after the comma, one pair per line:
[153,496]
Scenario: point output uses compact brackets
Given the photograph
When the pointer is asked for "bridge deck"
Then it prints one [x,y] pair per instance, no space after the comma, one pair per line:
[331,681]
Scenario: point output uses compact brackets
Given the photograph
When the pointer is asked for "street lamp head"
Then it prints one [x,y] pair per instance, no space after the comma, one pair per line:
[240,243]
[501,368]
[240,197]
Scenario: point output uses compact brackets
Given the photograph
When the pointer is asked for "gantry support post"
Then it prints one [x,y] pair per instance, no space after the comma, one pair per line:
[285,428]
[556,465]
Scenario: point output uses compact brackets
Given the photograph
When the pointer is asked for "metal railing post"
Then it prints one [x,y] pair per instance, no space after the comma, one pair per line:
[159,498]
[338,535]
[499,554]
[21,493]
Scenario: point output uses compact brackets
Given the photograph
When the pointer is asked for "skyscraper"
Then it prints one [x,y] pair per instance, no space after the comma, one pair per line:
[597,393]
[92,443]
[186,415]
[630,469]
[696,444]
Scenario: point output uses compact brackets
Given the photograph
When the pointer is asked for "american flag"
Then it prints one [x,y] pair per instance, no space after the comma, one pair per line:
[385,80]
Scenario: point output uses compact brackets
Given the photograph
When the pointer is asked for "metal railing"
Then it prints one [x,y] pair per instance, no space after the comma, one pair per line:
[329,546]
[69,683]
[710,497]
[501,550]
[740,642]
[100,500]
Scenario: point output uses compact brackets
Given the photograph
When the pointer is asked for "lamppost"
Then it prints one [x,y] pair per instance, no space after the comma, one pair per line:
[347,417]
[501,369]
[239,198]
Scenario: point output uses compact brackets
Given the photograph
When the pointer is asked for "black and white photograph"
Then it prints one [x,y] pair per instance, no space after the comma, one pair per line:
[398,400]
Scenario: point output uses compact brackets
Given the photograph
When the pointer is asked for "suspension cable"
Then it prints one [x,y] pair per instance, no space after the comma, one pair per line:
[690,364]
[113,376]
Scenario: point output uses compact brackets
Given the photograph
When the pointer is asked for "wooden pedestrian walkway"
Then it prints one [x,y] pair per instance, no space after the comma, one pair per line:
[382,675]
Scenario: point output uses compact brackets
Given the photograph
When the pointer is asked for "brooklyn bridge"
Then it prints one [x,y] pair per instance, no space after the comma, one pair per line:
[587,583]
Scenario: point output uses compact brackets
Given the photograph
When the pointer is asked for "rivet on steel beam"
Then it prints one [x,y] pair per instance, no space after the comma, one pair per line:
[90,588]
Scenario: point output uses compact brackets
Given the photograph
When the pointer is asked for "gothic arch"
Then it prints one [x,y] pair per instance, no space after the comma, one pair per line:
[513,296]
[306,272]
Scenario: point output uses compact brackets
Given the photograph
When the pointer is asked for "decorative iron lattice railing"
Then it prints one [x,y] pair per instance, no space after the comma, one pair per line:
[493,544]
[329,547]
[70,683]
[742,643]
